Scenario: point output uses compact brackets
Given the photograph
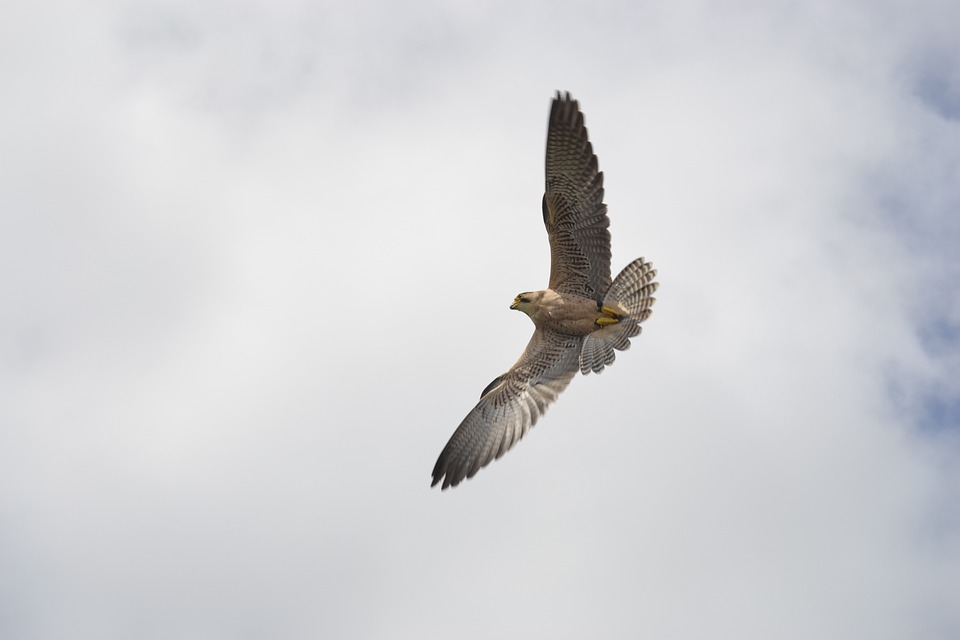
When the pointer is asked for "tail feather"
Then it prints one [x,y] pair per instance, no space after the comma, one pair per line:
[632,292]
[633,289]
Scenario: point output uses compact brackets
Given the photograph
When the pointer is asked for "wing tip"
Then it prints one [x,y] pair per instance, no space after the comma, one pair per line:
[440,472]
[450,474]
[566,109]
[436,480]
[447,481]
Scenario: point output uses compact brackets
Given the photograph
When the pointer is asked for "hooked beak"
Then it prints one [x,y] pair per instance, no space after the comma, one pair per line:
[516,303]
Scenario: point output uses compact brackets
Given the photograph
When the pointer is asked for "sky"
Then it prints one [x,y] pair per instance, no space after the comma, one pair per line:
[256,260]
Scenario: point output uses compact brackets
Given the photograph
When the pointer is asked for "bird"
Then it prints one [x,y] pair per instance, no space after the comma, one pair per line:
[580,320]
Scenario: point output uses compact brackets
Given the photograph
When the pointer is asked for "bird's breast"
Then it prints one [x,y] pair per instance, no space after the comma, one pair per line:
[567,314]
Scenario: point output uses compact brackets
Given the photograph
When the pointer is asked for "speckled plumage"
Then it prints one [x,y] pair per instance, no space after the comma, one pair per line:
[581,319]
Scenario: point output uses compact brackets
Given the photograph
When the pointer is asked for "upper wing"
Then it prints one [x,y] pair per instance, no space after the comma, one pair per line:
[509,406]
[573,209]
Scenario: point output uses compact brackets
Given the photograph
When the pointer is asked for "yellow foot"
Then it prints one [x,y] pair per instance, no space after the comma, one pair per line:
[604,321]
[613,313]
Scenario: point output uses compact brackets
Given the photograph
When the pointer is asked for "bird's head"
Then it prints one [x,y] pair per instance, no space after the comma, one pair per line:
[527,302]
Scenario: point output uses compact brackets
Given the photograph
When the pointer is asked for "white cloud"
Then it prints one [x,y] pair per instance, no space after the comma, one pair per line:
[226,381]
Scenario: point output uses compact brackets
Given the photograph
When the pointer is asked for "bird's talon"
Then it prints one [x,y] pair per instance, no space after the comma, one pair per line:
[604,321]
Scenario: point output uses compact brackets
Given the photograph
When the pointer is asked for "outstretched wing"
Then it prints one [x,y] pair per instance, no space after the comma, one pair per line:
[509,406]
[573,209]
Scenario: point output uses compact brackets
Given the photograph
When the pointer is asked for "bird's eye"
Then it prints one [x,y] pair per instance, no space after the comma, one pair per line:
[524,299]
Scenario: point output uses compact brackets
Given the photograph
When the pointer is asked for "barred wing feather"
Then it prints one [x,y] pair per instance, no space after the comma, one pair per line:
[509,406]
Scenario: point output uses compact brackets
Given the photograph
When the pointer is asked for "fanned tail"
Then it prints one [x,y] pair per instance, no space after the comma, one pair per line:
[631,293]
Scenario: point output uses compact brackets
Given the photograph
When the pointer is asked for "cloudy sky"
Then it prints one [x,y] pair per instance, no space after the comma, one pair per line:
[255,264]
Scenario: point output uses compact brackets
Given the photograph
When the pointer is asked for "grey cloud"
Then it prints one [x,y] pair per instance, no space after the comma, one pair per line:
[257,263]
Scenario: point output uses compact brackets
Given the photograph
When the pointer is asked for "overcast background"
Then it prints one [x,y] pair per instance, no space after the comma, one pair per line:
[255,264]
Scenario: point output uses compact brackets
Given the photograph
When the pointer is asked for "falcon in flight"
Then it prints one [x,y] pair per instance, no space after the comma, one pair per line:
[580,320]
